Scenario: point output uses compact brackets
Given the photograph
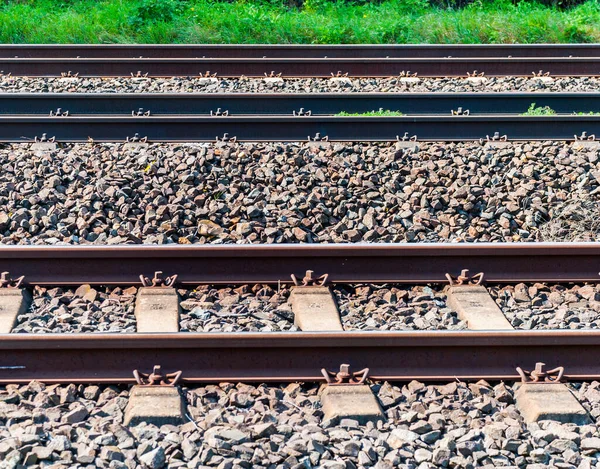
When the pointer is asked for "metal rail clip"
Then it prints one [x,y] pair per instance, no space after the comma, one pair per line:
[218,112]
[339,74]
[69,74]
[475,74]
[406,138]
[140,113]
[156,378]
[136,139]
[585,137]
[226,138]
[540,74]
[158,280]
[6,281]
[460,112]
[273,75]
[309,281]
[302,113]
[59,113]
[494,138]
[139,74]
[345,377]
[407,74]
[207,74]
[465,279]
[44,139]
[539,375]
[318,138]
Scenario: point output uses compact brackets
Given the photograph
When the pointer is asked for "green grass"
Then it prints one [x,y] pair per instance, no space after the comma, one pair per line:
[539,111]
[591,113]
[318,21]
[380,113]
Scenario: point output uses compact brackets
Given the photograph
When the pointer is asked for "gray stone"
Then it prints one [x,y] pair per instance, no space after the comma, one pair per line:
[400,437]
[154,459]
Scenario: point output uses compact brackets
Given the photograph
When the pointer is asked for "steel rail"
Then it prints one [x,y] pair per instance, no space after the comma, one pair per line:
[287,103]
[272,264]
[300,67]
[296,50]
[296,356]
[294,129]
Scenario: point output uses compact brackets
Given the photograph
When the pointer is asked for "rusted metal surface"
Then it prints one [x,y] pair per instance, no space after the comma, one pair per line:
[6,281]
[296,356]
[298,67]
[344,263]
[539,375]
[297,50]
[157,378]
[294,129]
[465,278]
[158,280]
[345,377]
[310,280]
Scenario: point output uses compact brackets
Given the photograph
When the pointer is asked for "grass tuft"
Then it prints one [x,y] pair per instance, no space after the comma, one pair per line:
[573,221]
[539,111]
[380,113]
[275,21]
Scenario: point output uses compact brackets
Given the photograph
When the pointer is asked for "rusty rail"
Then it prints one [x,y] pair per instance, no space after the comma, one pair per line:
[296,50]
[296,356]
[345,263]
[299,67]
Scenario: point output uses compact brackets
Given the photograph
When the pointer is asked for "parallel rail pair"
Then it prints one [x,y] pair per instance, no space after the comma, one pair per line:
[299,356]
[299,61]
[81,117]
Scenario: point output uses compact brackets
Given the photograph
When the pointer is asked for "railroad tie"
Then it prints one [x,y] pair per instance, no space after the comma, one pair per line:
[346,396]
[157,305]
[313,305]
[156,399]
[14,300]
[540,396]
[473,303]
[543,396]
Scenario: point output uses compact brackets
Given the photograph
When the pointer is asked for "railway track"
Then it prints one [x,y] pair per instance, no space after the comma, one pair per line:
[300,61]
[316,352]
[81,117]
[234,104]
[292,356]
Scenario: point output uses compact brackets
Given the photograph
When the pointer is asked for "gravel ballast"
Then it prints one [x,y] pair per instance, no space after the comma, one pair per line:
[86,309]
[9,84]
[264,308]
[547,306]
[298,193]
[257,308]
[390,308]
[266,426]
